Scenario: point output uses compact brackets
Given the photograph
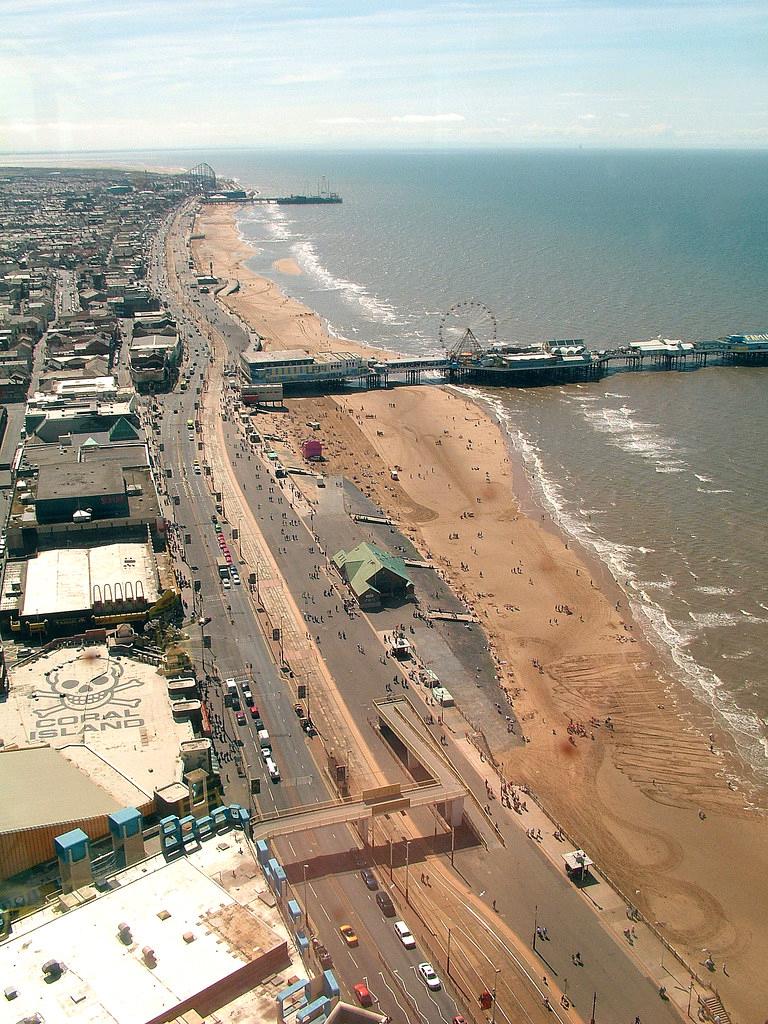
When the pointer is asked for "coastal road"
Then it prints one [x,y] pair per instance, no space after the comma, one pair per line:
[238,644]
[621,987]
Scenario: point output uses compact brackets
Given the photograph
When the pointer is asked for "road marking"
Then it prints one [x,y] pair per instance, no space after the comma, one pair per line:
[394,996]
[410,995]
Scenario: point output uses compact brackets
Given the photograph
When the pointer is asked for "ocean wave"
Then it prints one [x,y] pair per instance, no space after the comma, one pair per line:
[738,655]
[373,307]
[717,591]
[614,394]
[746,727]
[715,620]
[704,479]
[622,559]
[635,436]
[720,490]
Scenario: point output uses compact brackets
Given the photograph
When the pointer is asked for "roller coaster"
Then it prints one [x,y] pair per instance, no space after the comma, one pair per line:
[200,178]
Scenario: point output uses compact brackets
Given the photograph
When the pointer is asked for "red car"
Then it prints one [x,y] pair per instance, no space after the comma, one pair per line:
[240,716]
[254,711]
[363,994]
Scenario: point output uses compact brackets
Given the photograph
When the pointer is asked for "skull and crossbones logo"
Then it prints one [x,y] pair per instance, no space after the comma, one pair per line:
[88,694]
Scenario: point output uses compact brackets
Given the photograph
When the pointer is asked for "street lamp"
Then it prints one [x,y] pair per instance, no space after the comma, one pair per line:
[495,980]
[306,908]
[407,865]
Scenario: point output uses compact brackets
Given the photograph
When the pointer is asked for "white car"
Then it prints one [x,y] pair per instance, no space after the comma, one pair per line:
[403,933]
[266,754]
[429,977]
[274,771]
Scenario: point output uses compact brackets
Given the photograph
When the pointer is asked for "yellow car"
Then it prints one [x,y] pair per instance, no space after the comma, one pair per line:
[349,936]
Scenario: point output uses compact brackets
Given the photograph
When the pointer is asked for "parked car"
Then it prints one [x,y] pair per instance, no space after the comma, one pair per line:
[405,935]
[430,979]
[370,879]
[363,994]
[273,770]
[385,903]
[240,716]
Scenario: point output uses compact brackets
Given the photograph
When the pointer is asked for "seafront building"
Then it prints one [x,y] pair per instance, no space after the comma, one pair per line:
[112,789]
[296,367]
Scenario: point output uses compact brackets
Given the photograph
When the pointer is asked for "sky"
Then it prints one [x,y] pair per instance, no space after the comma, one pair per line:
[159,74]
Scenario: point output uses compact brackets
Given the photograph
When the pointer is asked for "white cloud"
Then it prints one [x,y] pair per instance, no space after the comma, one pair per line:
[428,119]
[305,77]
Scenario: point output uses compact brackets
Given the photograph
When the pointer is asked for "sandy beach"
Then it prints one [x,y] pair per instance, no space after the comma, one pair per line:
[643,779]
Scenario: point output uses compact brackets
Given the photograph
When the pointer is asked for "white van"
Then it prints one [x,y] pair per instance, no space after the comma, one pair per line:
[404,934]
[274,774]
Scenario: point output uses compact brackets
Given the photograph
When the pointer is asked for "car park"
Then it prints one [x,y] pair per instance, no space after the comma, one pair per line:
[429,977]
[405,935]
[370,879]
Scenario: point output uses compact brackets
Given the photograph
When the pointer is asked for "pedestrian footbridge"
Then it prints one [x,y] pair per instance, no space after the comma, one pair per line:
[438,784]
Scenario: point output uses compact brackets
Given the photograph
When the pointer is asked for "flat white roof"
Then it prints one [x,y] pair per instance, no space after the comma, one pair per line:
[110,717]
[41,787]
[64,580]
[107,980]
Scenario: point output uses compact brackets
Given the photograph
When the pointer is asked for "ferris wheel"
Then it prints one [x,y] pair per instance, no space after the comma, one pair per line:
[468,328]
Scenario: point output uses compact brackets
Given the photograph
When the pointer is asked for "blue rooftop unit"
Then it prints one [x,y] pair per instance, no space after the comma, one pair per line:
[126,822]
[72,846]
[313,1012]
[330,985]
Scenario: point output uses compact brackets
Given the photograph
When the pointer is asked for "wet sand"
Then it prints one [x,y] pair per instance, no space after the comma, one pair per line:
[287,266]
[647,794]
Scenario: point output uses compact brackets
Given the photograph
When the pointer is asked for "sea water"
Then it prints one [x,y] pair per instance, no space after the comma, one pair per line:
[661,474]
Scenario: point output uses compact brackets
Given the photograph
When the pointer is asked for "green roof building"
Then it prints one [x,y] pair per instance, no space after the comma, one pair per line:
[374,575]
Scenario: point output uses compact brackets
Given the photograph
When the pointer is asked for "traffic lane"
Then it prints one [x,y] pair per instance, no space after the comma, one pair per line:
[531,891]
[344,899]
[576,929]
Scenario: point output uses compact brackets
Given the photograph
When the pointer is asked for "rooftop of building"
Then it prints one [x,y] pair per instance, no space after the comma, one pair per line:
[66,580]
[79,479]
[41,787]
[111,717]
[203,916]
